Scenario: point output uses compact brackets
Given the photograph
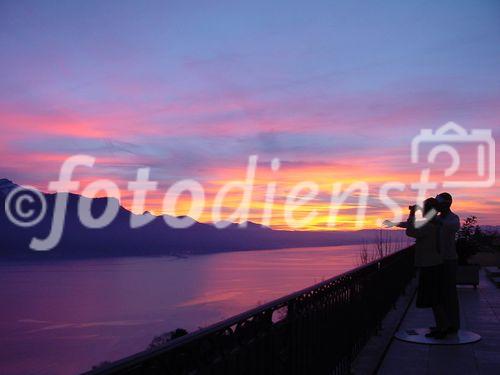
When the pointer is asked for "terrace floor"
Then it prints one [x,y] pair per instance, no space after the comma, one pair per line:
[480,313]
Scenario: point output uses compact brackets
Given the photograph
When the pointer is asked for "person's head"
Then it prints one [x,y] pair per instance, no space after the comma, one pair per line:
[444,201]
[429,204]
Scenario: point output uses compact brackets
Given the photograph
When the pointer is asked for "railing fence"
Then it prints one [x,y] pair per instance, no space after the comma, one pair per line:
[318,330]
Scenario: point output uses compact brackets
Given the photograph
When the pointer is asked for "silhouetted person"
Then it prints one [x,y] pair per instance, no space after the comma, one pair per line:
[429,261]
[448,228]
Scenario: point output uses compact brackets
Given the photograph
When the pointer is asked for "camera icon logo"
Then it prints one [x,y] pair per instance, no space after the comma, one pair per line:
[480,146]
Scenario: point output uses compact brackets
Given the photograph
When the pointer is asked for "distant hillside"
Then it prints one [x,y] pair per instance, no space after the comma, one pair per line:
[155,238]
[490,228]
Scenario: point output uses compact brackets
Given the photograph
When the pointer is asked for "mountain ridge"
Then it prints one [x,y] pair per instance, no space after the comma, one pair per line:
[155,238]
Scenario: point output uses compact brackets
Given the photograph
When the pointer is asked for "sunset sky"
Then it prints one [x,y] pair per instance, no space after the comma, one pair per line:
[334,89]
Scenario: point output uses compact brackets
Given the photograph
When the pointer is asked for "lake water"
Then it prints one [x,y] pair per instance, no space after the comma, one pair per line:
[64,317]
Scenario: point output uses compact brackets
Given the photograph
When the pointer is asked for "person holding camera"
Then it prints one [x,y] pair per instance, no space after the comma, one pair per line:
[429,261]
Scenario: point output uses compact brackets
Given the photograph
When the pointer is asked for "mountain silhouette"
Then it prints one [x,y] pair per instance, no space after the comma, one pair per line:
[118,239]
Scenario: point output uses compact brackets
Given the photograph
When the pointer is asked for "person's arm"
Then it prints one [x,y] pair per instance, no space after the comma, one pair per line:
[455,224]
[390,224]
[403,224]
[411,229]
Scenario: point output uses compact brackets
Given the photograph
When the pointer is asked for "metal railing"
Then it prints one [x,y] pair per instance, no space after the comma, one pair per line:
[318,330]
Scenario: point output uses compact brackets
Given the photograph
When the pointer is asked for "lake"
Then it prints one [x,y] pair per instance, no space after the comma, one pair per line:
[66,316]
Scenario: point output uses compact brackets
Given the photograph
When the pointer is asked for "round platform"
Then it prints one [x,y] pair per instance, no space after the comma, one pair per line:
[417,335]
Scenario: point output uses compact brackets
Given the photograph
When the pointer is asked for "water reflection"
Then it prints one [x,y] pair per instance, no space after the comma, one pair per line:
[64,317]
